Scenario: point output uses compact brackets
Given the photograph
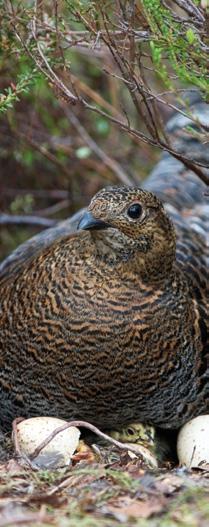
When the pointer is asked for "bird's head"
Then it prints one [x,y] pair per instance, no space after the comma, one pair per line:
[132,222]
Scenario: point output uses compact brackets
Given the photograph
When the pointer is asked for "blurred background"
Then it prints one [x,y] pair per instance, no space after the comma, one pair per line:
[54,155]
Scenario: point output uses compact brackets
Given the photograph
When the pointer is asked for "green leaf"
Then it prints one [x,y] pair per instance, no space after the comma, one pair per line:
[102,126]
[190,35]
[83,152]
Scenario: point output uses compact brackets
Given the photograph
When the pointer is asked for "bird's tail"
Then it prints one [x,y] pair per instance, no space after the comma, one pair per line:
[170,179]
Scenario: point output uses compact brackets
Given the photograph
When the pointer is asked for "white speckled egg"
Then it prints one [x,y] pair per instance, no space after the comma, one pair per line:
[193,442]
[58,452]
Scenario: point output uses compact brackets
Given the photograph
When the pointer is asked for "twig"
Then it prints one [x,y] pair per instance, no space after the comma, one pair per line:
[96,97]
[33,221]
[134,88]
[56,80]
[137,449]
[63,91]
[194,166]
[191,9]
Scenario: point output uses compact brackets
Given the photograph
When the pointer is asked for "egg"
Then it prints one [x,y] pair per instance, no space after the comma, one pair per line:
[58,452]
[193,442]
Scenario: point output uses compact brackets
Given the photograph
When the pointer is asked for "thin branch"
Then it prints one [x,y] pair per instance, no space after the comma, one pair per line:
[134,89]
[194,166]
[54,77]
[136,449]
[64,92]
[32,221]
[191,9]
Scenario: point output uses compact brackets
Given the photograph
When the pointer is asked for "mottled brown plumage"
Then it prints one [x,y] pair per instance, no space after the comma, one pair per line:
[106,324]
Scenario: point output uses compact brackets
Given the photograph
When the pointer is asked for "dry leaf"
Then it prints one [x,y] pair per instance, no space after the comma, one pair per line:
[136,509]
[84,453]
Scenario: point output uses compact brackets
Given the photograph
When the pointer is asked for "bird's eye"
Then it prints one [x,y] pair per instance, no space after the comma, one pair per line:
[130,431]
[134,211]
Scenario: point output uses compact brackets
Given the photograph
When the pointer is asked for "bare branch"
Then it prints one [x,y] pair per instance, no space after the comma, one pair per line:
[189,7]
[136,449]
[125,58]
[32,221]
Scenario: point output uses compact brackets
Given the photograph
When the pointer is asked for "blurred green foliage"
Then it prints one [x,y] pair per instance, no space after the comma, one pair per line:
[22,204]
[178,45]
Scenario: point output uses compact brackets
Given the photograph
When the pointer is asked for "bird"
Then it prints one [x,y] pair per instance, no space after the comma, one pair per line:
[159,443]
[109,323]
[106,324]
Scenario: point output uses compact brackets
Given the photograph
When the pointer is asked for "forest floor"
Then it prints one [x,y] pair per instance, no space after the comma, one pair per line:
[110,491]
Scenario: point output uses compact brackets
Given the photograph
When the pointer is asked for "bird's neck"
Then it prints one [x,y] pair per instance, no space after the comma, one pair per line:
[151,259]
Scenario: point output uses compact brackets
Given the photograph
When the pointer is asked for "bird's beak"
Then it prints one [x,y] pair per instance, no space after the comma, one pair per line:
[88,222]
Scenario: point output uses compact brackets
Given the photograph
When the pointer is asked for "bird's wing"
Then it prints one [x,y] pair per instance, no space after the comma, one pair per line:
[26,251]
